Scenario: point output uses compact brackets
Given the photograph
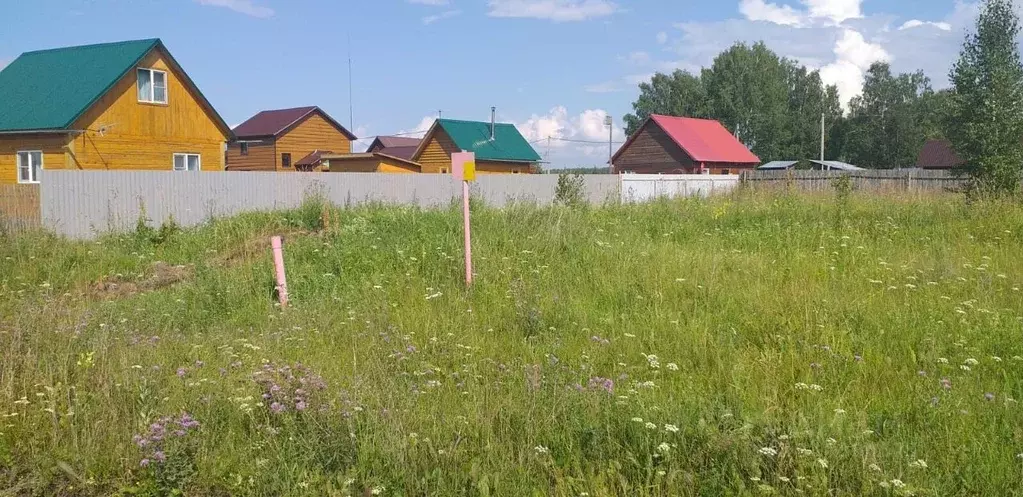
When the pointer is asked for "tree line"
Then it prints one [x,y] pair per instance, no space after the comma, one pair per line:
[775,106]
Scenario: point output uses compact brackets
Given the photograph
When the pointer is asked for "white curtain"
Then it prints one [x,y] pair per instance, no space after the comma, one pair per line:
[160,87]
[145,85]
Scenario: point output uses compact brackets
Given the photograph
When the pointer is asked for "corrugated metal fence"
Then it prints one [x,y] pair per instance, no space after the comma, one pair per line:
[19,207]
[880,180]
[643,187]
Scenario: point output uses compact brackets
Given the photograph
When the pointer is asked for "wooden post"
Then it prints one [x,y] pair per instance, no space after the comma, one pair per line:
[282,282]
[463,168]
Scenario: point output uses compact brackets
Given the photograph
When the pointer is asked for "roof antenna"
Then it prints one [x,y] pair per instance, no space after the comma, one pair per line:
[351,104]
[493,121]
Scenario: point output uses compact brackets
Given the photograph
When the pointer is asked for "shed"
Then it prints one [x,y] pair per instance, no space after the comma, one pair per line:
[777,165]
[274,140]
[673,145]
[834,165]
[938,154]
[369,162]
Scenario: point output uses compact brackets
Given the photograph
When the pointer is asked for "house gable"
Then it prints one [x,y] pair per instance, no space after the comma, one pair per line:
[315,131]
[651,150]
[434,153]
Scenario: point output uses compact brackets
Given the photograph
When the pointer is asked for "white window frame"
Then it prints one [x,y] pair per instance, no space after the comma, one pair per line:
[31,171]
[186,155]
[152,86]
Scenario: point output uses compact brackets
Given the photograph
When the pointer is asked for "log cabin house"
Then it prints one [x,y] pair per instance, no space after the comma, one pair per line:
[124,105]
[287,140]
[683,145]
[386,154]
[499,147]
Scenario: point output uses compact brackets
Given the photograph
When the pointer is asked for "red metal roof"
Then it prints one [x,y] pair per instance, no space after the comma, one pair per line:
[399,152]
[313,158]
[938,154]
[705,140]
[275,122]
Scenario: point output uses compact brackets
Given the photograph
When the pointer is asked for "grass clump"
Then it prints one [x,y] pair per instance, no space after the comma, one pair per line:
[740,345]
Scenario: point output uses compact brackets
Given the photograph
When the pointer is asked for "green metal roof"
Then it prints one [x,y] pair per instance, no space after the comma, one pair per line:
[474,136]
[49,89]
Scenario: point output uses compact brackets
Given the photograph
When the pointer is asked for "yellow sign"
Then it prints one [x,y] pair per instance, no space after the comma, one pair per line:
[469,171]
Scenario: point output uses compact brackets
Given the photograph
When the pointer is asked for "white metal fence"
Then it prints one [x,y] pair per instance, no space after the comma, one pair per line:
[644,187]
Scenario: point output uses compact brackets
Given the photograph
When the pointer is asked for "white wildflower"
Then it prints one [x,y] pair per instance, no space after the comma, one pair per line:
[971,361]
[768,451]
[802,386]
[653,361]
[822,462]
[898,483]
[783,479]
[637,420]
[816,388]
[672,366]
[919,464]
[964,367]
[650,426]
[996,358]
[804,452]
[540,449]
[942,360]
[884,484]
[874,467]
[377,490]
[664,448]
[671,428]
[839,411]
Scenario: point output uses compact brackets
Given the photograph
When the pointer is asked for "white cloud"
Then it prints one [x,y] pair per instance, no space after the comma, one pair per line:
[638,58]
[553,10]
[420,129]
[246,7]
[854,55]
[662,38]
[430,2]
[836,11]
[443,15]
[563,128]
[915,23]
[758,10]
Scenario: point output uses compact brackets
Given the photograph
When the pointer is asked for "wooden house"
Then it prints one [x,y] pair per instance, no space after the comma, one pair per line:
[277,140]
[683,145]
[125,105]
[370,162]
[397,146]
[938,154]
[499,147]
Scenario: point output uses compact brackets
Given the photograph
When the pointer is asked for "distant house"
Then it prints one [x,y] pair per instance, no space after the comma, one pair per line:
[683,145]
[277,140]
[938,154]
[125,105]
[396,146]
[499,147]
[370,162]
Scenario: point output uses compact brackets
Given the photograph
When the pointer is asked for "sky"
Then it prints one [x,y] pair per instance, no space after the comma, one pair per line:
[555,68]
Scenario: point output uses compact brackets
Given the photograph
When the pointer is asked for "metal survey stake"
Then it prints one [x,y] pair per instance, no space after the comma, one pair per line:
[463,167]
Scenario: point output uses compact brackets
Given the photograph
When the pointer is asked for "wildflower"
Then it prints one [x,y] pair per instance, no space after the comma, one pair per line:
[804,452]
[884,484]
[971,361]
[822,462]
[664,448]
[816,388]
[144,462]
[637,420]
[377,490]
[671,428]
[768,451]
[832,441]
[858,358]
[754,479]
[160,456]
[802,386]
[918,464]
[182,372]
[672,366]
[653,361]
[898,483]
[661,472]
[650,426]
[277,407]
[540,449]
[921,373]
[964,367]
[874,467]
[989,396]
[942,360]
[783,479]
[839,411]
[946,383]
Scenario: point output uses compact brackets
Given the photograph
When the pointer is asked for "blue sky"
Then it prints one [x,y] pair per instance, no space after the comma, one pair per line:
[553,67]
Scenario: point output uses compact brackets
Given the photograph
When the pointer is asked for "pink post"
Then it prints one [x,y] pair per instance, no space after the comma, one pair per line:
[282,283]
[468,241]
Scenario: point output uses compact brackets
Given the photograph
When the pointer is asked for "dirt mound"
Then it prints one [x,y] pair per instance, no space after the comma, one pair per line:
[162,275]
[254,247]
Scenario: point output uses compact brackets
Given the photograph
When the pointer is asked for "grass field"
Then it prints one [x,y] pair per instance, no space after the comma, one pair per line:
[747,345]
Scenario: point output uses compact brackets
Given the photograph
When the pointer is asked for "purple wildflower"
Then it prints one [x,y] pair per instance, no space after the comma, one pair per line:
[411,349]
[300,405]
[946,383]
[182,372]
[160,456]
[144,462]
[277,408]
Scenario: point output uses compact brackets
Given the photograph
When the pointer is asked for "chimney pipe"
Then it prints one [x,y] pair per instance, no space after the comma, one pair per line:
[493,121]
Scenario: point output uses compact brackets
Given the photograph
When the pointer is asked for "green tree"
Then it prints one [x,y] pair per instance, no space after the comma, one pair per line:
[809,97]
[885,126]
[986,104]
[677,94]
[747,89]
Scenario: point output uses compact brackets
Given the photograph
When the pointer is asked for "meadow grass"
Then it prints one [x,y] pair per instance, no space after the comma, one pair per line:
[751,344]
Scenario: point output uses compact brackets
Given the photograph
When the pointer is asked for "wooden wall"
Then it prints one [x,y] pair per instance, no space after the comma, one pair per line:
[146,136]
[436,155]
[376,164]
[493,167]
[52,146]
[314,133]
[653,152]
[261,157]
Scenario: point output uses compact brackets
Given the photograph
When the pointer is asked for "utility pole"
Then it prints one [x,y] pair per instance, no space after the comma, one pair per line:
[822,138]
[547,156]
[609,122]
[351,104]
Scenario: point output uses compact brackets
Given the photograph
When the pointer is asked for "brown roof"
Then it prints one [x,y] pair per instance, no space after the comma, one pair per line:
[367,155]
[400,152]
[275,122]
[938,154]
[313,158]
[382,142]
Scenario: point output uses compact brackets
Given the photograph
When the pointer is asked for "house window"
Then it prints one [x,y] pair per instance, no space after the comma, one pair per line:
[443,170]
[187,162]
[516,171]
[152,86]
[29,164]
[244,148]
[726,171]
[285,160]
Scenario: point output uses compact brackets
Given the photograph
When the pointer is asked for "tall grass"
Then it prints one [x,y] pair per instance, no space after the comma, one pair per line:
[743,345]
